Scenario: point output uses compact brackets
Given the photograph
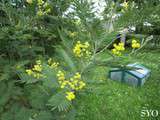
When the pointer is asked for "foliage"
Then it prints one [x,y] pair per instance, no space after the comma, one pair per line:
[48,57]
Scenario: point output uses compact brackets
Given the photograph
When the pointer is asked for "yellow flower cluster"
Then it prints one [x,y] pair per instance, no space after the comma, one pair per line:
[72,34]
[135,44]
[69,84]
[43,8]
[70,96]
[82,50]
[61,76]
[52,64]
[74,83]
[118,48]
[36,70]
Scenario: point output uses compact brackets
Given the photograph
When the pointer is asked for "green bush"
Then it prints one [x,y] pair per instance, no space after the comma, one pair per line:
[34,30]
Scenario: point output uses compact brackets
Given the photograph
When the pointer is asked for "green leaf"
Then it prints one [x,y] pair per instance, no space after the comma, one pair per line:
[50,79]
[66,42]
[67,58]
[71,114]
[27,79]
[37,96]
[58,101]
[44,115]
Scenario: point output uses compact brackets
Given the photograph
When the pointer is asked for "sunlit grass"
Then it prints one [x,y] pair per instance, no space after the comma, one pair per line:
[117,101]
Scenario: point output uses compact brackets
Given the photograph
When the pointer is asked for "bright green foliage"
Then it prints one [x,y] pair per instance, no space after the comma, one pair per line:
[39,30]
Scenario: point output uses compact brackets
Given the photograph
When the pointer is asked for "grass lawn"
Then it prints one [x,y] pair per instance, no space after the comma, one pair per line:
[115,101]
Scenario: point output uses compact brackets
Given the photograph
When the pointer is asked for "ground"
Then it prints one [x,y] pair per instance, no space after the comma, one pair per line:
[116,101]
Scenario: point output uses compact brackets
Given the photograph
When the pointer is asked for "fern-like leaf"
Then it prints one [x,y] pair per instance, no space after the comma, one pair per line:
[58,101]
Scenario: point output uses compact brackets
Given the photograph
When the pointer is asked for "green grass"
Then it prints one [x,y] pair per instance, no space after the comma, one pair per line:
[110,100]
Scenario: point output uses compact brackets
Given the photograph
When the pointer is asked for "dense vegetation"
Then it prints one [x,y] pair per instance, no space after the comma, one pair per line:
[54,59]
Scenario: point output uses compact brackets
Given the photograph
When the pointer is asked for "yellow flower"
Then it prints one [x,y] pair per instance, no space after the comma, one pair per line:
[72,85]
[37,68]
[63,84]
[121,44]
[77,75]
[118,53]
[78,50]
[114,45]
[81,84]
[122,48]
[135,44]
[138,45]
[29,71]
[134,41]
[52,64]
[114,51]
[81,50]
[29,1]
[61,76]
[70,96]
[118,48]
[75,82]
